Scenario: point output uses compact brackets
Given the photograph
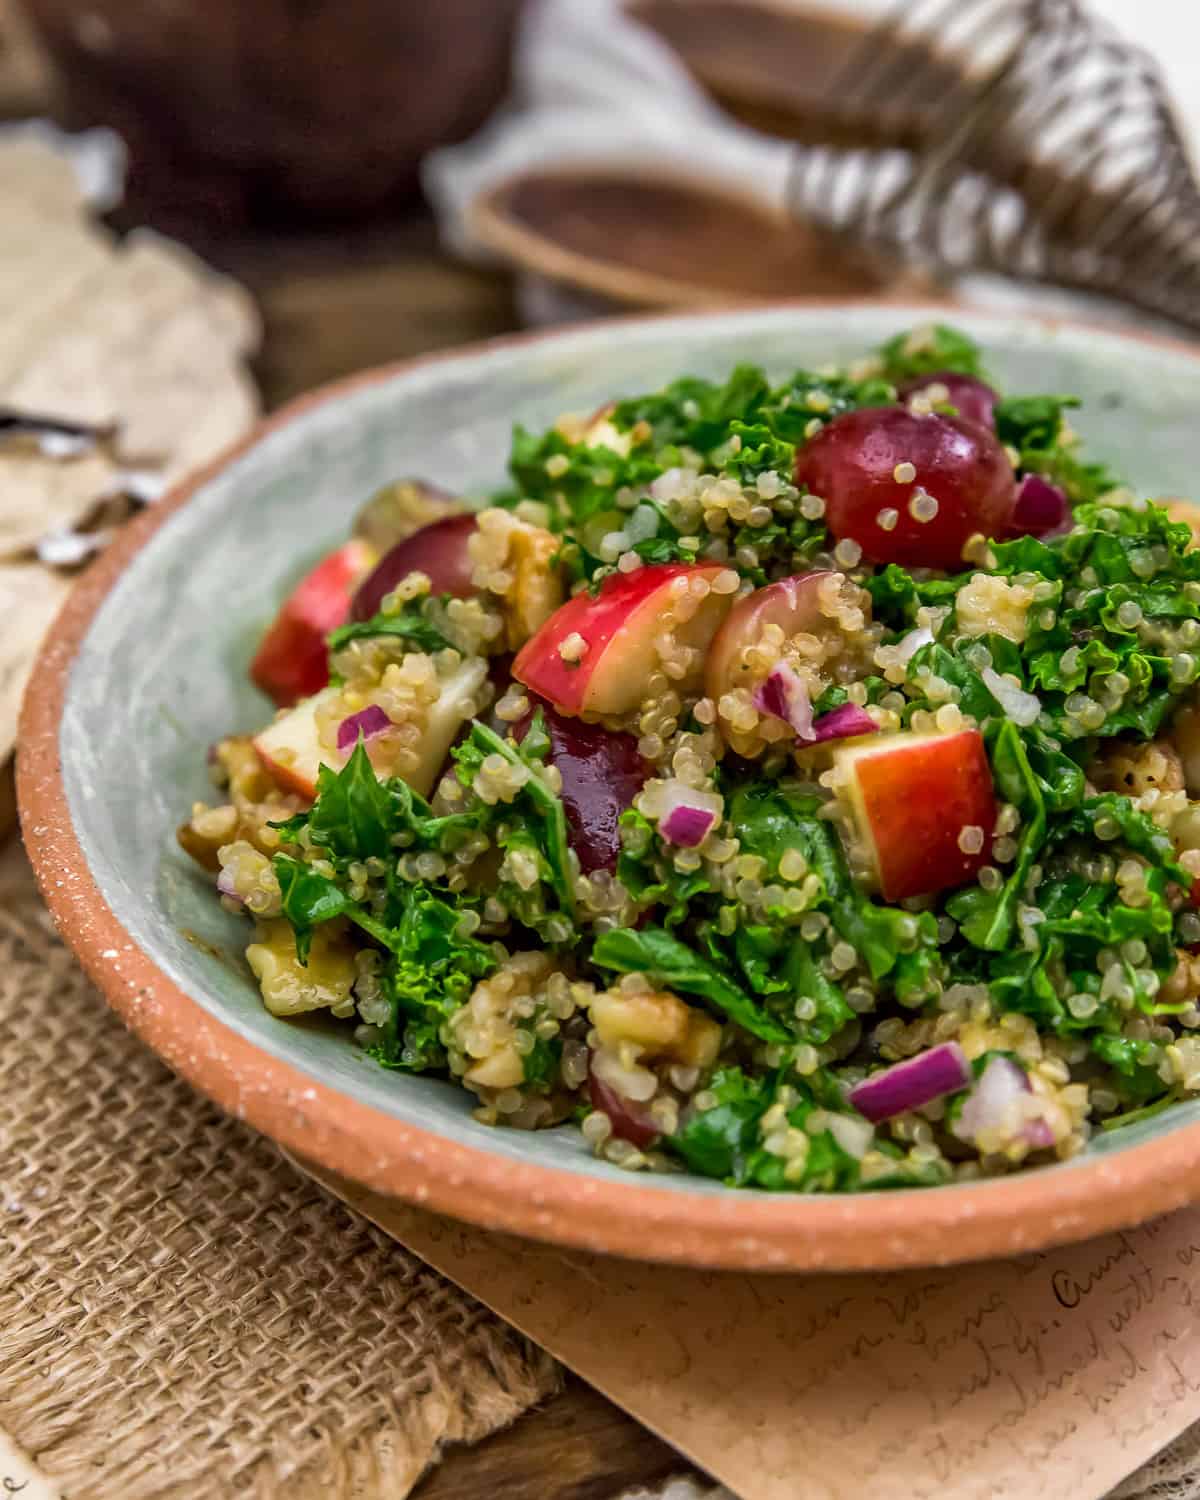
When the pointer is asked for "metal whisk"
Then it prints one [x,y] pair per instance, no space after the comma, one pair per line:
[1044,147]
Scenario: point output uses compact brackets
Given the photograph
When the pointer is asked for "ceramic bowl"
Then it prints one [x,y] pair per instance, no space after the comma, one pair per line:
[146,666]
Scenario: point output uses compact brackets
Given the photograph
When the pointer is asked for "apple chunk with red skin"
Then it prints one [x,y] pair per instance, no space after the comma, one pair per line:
[292,754]
[620,628]
[292,661]
[290,747]
[911,796]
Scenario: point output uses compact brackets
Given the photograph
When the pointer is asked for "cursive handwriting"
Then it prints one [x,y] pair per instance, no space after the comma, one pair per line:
[1068,1357]
[1071,1287]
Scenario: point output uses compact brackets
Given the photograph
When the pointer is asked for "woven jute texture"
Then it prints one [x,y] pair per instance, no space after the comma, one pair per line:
[181,1312]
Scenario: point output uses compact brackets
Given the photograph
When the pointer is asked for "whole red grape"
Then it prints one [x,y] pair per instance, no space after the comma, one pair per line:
[970,397]
[909,489]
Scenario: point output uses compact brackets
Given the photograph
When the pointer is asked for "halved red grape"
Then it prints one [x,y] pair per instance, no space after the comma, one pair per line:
[602,773]
[440,550]
[793,604]
[630,1121]
[971,398]
[909,489]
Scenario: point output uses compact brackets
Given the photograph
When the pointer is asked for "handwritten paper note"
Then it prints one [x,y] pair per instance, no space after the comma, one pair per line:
[18,1477]
[1074,1365]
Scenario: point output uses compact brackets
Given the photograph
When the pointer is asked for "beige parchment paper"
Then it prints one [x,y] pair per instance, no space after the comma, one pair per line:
[19,1476]
[1053,1375]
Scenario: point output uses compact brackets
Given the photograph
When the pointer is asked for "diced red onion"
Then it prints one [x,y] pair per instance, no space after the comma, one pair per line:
[842,723]
[990,1105]
[367,722]
[1021,707]
[1042,509]
[686,814]
[227,888]
[909,1084]
[1039,1134]
[908,646]
[687,826]
[784,695]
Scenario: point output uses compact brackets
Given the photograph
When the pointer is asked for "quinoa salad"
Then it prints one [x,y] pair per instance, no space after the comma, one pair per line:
[795,783]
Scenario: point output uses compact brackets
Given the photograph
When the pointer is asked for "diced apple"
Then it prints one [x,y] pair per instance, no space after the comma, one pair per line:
[597,430]
[792,603]
[596,655]
[456,704]
[602,433]
[439,551]
[516,566]
[292,661]
[291,751]
[924,806]
[290,746]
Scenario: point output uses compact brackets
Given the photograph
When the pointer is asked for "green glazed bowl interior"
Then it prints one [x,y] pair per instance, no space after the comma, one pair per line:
[161,672]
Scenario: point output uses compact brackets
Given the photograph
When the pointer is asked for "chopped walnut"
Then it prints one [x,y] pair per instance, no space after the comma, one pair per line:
[1135,770]
[1185,736]
[515,561]
[1183,983]
[289,988]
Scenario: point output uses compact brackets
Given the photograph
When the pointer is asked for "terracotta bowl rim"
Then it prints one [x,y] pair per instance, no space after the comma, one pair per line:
[720,1230]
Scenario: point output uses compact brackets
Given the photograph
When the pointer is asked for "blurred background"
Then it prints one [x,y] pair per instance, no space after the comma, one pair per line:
[392,176]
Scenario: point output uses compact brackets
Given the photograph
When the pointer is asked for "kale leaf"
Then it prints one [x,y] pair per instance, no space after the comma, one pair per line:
[428,975]
[719,1142]
[1035,427]
[988,918]
[409,625]
[543,810]
[768,818]
[310,898]
[929,350]
[650,875]
[355,814]
[697,413]
[654,951]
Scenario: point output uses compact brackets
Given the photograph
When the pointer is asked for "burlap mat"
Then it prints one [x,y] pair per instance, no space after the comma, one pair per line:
[181,1312]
